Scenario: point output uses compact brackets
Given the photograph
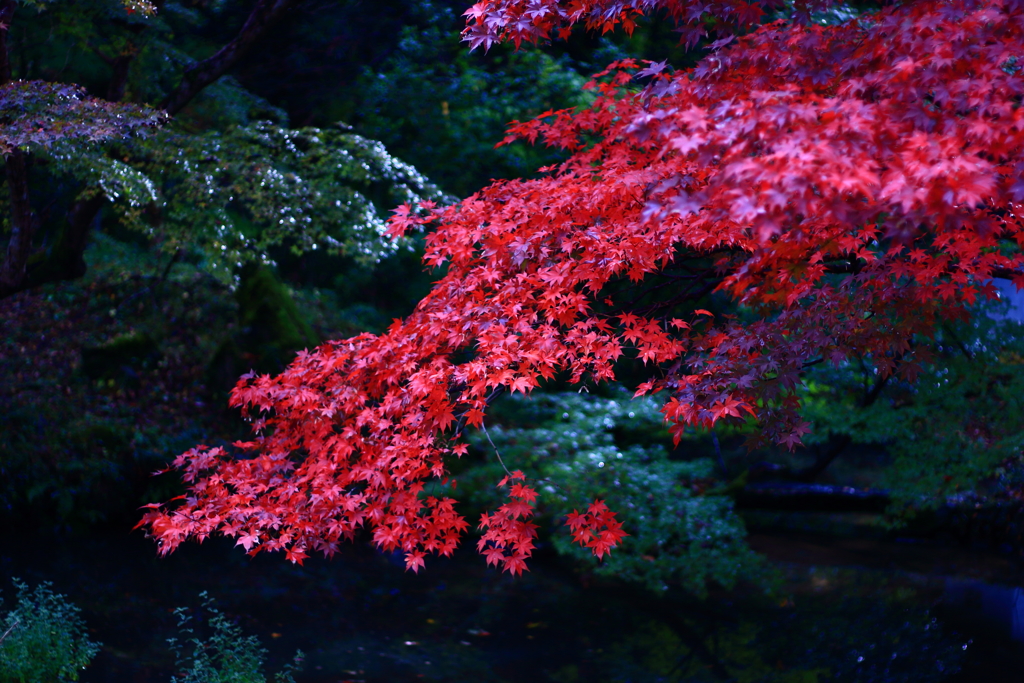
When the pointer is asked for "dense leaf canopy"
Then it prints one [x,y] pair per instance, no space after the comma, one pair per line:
[847,186]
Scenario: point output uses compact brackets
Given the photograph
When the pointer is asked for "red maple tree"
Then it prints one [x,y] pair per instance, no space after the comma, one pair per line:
[847,186]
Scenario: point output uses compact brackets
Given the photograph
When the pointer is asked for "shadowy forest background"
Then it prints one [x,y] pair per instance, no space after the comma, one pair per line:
[169,255]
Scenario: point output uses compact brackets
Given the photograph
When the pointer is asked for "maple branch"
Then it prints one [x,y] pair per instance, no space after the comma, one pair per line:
[197,76]
[687,295]
[646,292]
[483,427]
[679,277]
[842,266]
[762,219]
[460,425]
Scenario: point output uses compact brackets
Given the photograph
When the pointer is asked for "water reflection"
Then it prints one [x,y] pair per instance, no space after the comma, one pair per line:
[362,618]
[997,608]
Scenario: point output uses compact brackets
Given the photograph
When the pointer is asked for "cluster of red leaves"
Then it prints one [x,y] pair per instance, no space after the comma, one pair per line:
[848,185]
[508,539]
[518,21]
[596,528]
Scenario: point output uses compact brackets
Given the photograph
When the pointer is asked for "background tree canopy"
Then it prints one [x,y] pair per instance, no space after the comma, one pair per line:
[196,190]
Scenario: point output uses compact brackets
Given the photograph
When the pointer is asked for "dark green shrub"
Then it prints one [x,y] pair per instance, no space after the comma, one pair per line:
[44,638]
[227,656]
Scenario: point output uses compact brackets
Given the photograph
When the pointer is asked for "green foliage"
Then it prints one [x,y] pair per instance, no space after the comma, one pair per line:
[443,108]
[109,359]
[226,656]
[271,329]
[46,640]
[80,41]
[579,447]
[105,380]
[226,180]
[103,383]
[232,197]
[947,431]
[265,304]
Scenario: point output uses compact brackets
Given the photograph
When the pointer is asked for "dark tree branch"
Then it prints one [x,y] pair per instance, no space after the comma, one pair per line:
[264,15]
[9,629]
[108,60]
[119,78]
[821,463]
[694,641]
[178,253]
[1006,273]
[718,454]
[67,262]
[839,445]
[23,219]
[66,259]
[687,294]
[842,266]
[959,343]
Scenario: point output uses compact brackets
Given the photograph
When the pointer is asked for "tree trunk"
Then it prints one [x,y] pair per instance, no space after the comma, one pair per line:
[23,219]
[66,261]
[119,78]
[12,269]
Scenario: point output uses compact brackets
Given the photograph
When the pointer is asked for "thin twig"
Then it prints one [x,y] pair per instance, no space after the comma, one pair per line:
[483,426]
[9,629]
[542,479]
[460,425]
[174,259]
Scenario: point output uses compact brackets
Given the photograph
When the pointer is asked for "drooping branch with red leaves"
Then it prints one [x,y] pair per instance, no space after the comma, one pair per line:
[848,187]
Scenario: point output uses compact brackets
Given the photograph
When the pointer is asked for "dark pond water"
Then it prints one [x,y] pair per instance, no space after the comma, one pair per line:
[848,609]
